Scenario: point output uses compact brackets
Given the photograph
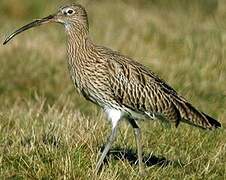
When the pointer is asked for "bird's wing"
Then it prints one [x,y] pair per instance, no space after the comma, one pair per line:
[138,89]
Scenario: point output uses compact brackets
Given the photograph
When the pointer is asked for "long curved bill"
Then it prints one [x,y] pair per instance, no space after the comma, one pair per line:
[35,23]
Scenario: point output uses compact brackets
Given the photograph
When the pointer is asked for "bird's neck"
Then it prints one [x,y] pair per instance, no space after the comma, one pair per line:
[78,41]
[80,52]
[76,37]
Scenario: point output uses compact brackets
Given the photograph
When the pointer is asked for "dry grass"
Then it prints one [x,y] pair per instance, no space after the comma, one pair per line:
[48,132]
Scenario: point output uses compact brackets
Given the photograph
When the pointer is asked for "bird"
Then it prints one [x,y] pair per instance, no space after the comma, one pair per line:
[121,86]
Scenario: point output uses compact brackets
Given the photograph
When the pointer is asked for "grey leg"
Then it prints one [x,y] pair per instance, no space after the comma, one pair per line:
[137,133]
[106,149]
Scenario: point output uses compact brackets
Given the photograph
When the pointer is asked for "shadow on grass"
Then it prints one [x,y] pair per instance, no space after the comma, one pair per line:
[149,160]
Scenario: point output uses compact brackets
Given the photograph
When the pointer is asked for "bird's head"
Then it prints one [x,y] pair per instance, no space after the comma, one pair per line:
[72,17]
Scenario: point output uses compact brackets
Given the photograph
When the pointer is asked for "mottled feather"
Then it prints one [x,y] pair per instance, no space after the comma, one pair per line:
[140,90]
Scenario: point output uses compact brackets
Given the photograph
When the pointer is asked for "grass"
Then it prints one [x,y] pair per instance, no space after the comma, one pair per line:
[47,131]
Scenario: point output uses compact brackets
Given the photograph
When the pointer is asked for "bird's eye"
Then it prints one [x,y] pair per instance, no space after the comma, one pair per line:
[70,12]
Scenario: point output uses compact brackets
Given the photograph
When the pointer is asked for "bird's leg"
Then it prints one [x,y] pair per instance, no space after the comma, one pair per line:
[107,147]
[137,133]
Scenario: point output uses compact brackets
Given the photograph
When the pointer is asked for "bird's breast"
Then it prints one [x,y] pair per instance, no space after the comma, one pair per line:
[91,82]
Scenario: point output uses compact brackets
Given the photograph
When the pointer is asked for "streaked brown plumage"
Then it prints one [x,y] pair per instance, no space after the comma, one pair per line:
[121,86]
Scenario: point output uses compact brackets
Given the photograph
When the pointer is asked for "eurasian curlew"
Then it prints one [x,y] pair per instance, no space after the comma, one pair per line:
[121,86]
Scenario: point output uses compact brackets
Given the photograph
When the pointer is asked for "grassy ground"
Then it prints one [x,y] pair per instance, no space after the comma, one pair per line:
[48,132]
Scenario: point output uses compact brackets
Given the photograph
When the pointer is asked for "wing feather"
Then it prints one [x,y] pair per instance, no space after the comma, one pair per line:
[137,88]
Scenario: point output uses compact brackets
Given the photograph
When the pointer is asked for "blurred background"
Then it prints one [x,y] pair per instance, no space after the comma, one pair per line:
[47,131]
[182,41]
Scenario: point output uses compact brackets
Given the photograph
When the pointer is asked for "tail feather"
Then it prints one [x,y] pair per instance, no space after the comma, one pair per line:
[212,121]
[191,115]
